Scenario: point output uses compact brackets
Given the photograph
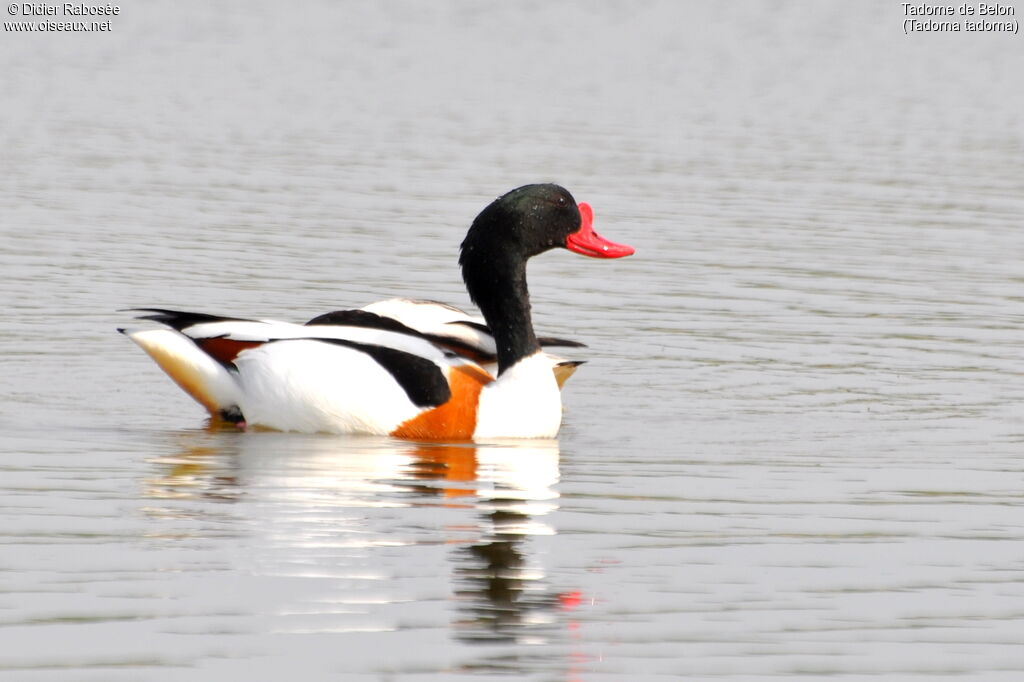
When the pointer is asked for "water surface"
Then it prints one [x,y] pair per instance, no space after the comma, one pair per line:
[795,450]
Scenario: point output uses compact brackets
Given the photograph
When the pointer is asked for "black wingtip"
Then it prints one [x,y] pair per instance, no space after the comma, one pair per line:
[178,319]
[121,330]
[566,343]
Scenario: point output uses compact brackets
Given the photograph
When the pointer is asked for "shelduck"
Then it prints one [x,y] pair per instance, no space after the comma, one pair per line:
[418,370]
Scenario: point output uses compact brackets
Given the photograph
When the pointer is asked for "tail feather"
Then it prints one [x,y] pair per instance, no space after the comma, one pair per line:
[208,382]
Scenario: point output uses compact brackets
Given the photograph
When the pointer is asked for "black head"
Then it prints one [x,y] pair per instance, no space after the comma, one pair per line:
[522,223]
[515,227]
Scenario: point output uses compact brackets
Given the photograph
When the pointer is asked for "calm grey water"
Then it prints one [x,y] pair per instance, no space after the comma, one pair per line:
[796,451]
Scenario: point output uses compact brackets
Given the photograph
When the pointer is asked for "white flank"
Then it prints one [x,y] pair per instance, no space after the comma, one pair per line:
[199,375]
[313,386]
[524,402]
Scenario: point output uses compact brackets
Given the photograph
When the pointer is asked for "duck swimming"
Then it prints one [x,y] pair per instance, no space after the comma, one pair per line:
[417,370]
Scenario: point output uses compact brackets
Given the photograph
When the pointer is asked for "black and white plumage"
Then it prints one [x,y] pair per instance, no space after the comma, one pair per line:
[400,367]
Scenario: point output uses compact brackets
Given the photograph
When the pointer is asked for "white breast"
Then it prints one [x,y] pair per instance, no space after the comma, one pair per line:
[524,402]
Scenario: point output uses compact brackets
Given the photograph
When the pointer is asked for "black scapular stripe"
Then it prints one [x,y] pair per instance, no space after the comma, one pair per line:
[450,346]
[479,326]
[363,318]
[420,378]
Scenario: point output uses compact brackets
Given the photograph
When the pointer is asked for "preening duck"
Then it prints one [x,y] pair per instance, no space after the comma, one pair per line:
[409,369]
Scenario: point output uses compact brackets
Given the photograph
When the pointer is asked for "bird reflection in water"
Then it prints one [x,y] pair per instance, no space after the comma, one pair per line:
[496,496]
[499,591]
[202,466]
